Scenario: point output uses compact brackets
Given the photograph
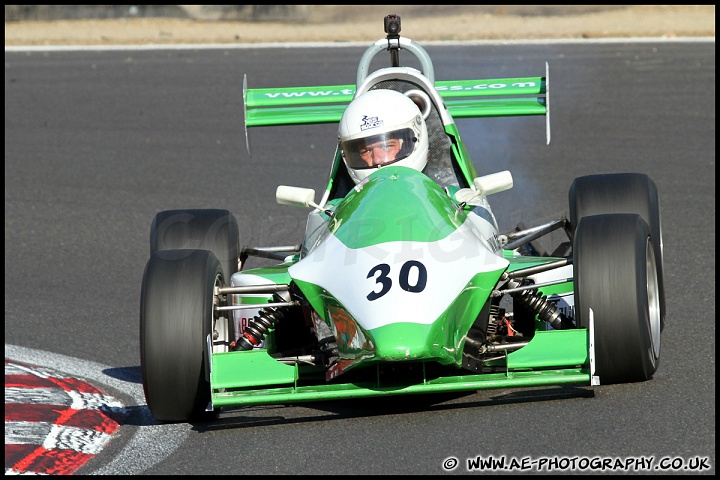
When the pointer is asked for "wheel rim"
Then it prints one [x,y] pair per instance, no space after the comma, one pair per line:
[653,294]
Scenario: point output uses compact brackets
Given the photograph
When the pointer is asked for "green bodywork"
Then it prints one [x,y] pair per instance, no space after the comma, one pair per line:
[552,357]
[254,377]
[391,213]
[557,357]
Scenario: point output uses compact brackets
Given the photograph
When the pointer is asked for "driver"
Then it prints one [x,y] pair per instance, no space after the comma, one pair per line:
[379,151]
[379,128]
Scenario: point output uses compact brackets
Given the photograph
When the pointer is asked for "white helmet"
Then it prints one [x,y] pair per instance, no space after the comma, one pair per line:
[382,127]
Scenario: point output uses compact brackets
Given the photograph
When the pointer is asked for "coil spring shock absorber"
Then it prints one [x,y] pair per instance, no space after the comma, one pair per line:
[544,309]
[257,328]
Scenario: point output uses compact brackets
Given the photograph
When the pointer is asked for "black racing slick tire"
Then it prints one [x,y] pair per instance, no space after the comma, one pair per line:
[622,193]
[200,229]
[615,275]
[176,320]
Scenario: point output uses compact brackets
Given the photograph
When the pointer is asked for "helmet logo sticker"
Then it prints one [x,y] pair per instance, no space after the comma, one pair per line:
[370,122]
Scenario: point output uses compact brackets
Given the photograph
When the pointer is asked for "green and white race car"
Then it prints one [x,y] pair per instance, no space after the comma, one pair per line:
[403,283]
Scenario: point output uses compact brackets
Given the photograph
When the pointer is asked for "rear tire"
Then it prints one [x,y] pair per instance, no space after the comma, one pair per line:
[176,320]
[622,193]
[201,229]
[615,275]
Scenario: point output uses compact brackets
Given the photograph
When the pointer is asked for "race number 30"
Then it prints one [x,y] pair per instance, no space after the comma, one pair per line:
[412,278]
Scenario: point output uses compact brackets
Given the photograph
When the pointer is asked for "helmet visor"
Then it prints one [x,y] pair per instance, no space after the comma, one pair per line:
[377,150]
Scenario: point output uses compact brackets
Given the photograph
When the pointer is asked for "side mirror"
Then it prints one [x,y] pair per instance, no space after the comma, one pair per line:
[493,183]
[484,186]
[295,196]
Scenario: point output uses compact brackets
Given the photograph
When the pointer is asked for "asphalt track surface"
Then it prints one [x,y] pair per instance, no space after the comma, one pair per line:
[96,142]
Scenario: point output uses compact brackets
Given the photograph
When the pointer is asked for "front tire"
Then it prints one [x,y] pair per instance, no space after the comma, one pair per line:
[176,320]
[615,275]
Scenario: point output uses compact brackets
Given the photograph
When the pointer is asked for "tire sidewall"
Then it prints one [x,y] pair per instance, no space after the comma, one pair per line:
[176,316]
[610,274]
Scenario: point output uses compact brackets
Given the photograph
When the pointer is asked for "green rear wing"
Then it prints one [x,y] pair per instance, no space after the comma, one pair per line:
[463,98]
